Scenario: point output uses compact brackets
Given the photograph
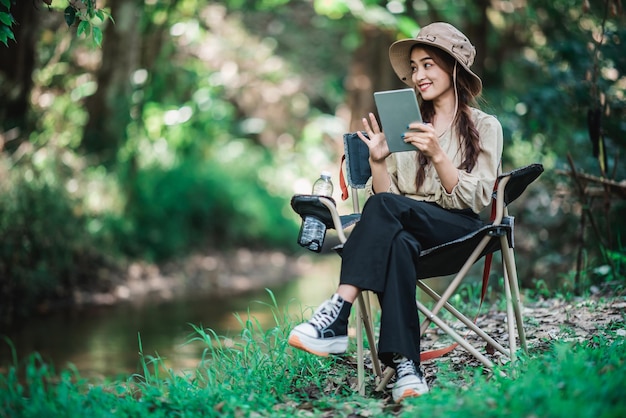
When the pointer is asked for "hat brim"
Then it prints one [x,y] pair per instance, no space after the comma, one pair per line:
[399,56]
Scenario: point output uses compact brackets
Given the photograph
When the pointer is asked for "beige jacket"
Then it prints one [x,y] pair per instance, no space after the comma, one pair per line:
[473,190]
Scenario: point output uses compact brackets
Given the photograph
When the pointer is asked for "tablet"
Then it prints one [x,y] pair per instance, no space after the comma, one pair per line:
[396,110]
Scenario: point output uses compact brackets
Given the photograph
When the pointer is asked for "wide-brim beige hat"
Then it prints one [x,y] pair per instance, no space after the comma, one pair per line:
[440,35]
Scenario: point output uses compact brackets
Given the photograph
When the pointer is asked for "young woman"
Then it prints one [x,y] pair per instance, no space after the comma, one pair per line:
[417,200]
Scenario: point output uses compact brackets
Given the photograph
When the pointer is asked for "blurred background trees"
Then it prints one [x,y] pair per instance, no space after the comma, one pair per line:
[193,123]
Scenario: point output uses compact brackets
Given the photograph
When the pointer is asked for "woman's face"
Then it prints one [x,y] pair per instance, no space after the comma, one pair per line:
[431,80]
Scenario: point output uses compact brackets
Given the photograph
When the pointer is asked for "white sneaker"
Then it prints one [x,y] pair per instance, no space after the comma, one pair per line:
[327,331]
[409,380]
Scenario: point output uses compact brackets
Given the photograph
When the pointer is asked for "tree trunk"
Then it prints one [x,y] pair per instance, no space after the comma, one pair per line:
[17,62]
[109,108]
[370,71]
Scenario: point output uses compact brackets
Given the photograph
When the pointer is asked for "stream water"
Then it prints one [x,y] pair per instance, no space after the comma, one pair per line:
[104,342]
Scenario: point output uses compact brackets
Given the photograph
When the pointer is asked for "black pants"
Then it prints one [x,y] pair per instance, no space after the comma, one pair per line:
[382,255]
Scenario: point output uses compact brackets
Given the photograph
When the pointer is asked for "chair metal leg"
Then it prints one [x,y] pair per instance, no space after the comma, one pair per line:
[508,259]
[360,360]
[513,311]
[455,336]
[509,316]
[369,329]
[385,379]
[512,299]
[464,319]
[456,281]
[365,322]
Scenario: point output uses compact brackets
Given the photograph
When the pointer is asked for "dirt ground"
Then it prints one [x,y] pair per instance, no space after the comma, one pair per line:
[545,321]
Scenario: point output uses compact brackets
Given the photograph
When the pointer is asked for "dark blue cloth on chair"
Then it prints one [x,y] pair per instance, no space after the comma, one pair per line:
[357,160]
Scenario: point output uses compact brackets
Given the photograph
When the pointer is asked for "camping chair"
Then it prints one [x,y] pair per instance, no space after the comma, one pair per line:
[455,257]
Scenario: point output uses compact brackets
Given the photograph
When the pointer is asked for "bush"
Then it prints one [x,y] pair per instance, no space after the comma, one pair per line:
[198,205]
[54,242]
[45,251]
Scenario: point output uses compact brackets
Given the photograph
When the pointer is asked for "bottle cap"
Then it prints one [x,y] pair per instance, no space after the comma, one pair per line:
[326,174]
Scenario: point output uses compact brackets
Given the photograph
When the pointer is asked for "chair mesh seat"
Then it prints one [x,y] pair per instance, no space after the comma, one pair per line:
[438,261]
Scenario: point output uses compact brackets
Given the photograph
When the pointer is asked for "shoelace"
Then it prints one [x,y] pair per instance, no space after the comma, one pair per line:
[405,367]
[325,315]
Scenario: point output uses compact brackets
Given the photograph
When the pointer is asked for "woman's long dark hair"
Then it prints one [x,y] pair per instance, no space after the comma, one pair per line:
[470,144]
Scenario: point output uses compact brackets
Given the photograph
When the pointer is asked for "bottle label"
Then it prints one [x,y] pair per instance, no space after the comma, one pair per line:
[312,233]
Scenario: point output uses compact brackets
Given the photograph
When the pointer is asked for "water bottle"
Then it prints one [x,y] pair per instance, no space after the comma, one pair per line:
[323,186]
[313,230]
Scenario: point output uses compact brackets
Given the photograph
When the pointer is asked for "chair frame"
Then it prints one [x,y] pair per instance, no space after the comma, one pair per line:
[498,235]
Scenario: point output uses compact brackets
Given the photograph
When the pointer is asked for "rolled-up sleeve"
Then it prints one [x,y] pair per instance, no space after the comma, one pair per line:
[392,169]
[474,189]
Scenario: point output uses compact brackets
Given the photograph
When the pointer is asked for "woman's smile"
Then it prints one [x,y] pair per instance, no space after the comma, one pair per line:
[424,86]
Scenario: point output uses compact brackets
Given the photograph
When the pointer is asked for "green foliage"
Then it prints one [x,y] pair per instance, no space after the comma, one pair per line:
[6,22]
[258,374]
[607,273]
[198,205]
[81,13]
[578,380]
[565,81]
[54,241]
[45,253]
[88,20]
[252,361]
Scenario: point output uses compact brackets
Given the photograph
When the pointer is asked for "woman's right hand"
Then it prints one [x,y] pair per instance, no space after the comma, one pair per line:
[377,143]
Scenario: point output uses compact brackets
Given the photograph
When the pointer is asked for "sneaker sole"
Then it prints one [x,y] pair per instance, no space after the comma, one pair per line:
[322,348]
[408,393]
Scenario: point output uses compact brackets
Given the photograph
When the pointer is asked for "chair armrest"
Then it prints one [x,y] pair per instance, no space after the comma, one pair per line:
[519,180]
[311,205]
[324,209]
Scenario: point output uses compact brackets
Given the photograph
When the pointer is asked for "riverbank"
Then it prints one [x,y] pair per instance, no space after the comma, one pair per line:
[156,306]
[220,274]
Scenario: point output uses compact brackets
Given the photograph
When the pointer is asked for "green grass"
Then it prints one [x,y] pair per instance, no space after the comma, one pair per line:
[258,374]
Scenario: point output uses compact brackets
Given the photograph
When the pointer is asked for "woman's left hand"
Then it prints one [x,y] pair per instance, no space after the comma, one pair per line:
[423,137]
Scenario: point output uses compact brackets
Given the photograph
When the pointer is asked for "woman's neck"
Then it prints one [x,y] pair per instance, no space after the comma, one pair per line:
[445,112]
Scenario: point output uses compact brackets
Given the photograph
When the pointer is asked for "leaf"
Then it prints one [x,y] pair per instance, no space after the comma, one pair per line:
[6,19]
[70,15]
[97,36]
[83,28]
[7,4]
[5,29]
[6,32]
